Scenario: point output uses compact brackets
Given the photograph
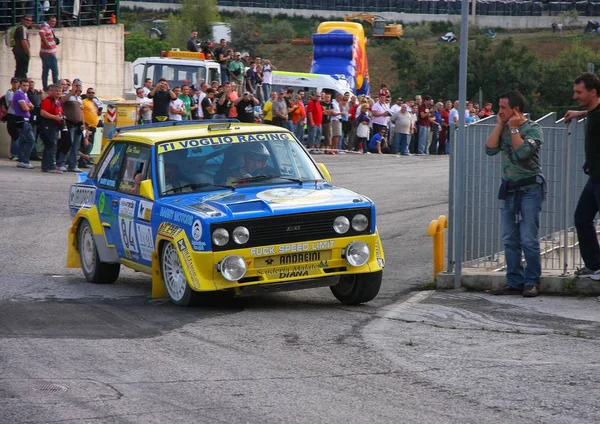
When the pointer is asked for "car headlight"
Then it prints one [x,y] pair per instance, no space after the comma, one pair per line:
[241,235]
[232,267]
[360,222]
[341,225]
[220,237]
[357,253]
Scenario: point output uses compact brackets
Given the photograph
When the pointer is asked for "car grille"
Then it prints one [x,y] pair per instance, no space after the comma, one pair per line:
[291,228]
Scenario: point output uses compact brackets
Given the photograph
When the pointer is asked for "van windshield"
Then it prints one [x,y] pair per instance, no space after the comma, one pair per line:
[176,75]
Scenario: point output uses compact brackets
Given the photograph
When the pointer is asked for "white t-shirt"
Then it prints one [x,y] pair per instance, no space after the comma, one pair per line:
[453,116]
[146,91]
[267,71]
[380,108]
[395,109]
[200,96]
[335,106]
[145,101]
[177,104]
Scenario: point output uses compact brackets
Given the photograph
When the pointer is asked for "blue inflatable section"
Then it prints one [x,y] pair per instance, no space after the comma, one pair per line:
[333,55]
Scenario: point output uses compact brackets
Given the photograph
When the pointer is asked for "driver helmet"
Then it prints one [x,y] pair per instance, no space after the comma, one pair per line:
[256,151]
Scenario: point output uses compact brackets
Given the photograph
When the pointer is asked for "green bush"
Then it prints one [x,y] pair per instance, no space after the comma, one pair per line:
[140,45]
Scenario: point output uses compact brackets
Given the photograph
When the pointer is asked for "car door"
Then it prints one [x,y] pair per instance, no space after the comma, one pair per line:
[135,240]
[108,198]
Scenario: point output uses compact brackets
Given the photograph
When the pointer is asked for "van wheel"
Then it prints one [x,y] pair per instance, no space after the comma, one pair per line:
[94,270]
[359,288]
[174,278]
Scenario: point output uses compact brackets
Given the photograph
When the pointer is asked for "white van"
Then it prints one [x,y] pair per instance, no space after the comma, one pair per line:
[309,82]
[177,68]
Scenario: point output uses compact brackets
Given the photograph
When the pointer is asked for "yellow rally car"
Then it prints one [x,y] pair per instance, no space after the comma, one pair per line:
[221,206]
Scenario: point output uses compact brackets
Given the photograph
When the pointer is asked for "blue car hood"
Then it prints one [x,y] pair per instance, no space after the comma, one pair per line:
[254,202]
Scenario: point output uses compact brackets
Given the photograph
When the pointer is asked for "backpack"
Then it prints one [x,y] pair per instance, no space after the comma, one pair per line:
[9,36]
[3,109]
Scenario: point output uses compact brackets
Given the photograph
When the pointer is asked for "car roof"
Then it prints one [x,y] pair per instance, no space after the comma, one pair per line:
[149,134]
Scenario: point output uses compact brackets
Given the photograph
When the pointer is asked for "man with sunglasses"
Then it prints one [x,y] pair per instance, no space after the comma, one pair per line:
[21,49]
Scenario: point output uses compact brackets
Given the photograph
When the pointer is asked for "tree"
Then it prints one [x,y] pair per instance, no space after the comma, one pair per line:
[277,31]
[569,18]
[194,14]
[245,34]
[418,32]
[139,45]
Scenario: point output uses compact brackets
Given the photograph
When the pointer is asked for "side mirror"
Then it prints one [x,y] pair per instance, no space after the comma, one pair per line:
[147,190]
[324,171]
[135,80]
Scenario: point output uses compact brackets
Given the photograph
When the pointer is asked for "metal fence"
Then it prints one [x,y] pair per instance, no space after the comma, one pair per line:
[562,158]
[68,12]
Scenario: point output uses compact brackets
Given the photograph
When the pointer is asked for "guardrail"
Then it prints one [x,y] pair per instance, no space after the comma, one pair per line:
[69,13]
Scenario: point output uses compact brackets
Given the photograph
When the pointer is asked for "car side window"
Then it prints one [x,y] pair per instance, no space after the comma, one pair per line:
[135,168]
[108,173]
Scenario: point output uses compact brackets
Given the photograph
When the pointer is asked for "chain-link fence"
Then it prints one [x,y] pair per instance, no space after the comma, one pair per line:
[562,158]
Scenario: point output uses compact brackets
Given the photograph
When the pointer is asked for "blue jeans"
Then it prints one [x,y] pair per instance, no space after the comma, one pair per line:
[49,63]
[587,208]
[423,139]
[224,75]
[25,142]
[401,143]
[299,131]
[289,125]
[70,159]
[522,237]
[266,91]
[314,136]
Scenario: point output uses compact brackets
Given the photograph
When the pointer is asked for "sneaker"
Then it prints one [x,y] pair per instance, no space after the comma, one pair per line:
[56,171]
[406,154]
[531,291]
[62,168]
[74,170]
[25,165]
[506,290]
[585,272]
[13,158]
[368,153]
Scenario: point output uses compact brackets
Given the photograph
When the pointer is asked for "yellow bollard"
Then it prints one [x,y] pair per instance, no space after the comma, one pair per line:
[436,230]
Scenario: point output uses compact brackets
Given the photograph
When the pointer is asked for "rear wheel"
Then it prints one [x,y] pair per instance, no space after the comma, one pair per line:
[94,270]
[356,289]
[174,278]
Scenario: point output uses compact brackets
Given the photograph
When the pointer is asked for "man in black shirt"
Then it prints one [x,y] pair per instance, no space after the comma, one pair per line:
[224,102]
[191,43]
[245,107]
[21,48]
[223,58]
[208,108]
[586,91]
[161,96]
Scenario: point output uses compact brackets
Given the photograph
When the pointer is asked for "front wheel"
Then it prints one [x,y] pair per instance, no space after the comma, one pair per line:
[359,288]
[94,270]
[174,278]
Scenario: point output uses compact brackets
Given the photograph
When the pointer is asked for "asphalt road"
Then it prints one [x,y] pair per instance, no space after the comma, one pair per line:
[74,352]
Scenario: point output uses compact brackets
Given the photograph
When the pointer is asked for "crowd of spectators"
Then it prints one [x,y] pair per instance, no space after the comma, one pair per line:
[55,126]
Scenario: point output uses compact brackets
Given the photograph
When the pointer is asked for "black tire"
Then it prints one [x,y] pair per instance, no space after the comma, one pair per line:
[174,279]
[359,288]
[95,271]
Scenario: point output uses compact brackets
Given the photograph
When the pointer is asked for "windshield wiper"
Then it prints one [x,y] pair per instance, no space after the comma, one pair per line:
[194,186]
[267,177]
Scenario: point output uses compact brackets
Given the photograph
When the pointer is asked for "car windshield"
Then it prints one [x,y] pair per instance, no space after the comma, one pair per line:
[230,162]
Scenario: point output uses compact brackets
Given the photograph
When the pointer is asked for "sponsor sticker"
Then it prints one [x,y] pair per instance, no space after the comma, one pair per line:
[82,196]
[197,230]
[169,230]
[291,248]
[294,258]
[294,196]
[294,271]
[220,141]
[177,216]
[187,258]
[144,234]
[144,210]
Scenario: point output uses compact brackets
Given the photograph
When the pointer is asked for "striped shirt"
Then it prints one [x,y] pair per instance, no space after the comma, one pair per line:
[48,46]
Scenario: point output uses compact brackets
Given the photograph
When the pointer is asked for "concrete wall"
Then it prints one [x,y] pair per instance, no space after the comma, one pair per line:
[95,54]
[508,22]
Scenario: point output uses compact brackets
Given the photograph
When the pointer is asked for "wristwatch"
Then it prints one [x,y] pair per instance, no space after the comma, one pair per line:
[514,131]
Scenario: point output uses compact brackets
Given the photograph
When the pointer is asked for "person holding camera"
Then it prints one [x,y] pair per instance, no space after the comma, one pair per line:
[68,150]
[49,41]
[245,107]
[51,124]
[161,96]
[223,57]
[522,190]
[380,112]
[236,72]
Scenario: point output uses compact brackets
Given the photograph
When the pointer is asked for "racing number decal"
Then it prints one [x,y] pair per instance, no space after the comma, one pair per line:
[128,238]
[128,235]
